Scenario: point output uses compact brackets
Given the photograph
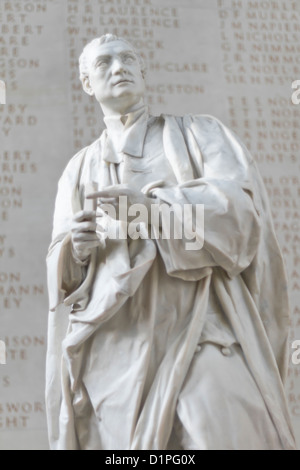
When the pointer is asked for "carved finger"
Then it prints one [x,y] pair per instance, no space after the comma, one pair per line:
[84,237]
[84,216]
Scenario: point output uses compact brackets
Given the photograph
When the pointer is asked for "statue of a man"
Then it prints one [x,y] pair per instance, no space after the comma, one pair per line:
[153,345]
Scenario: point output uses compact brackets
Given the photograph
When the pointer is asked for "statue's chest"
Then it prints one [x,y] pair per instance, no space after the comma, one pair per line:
[153,166]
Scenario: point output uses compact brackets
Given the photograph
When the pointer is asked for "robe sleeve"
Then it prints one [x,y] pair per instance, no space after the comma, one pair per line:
[228,236]
[65,274]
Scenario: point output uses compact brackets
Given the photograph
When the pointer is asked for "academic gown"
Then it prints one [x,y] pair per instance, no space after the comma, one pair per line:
[150,345]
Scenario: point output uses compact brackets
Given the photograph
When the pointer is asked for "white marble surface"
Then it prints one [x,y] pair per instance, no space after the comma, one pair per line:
[229,73]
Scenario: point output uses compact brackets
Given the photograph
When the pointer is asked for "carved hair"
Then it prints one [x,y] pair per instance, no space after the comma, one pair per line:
[83,62]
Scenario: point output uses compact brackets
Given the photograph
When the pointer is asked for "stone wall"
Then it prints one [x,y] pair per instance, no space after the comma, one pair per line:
[236,60]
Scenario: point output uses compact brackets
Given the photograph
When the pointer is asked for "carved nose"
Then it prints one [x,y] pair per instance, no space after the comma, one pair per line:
[117,67]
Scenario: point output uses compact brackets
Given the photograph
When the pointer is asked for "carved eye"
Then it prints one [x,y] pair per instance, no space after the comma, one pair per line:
[129,59]
[102,64]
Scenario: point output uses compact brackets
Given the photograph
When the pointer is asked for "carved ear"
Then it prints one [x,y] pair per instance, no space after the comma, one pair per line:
[87,86]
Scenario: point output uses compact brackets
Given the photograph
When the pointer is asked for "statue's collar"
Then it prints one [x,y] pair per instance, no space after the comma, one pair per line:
[127,133]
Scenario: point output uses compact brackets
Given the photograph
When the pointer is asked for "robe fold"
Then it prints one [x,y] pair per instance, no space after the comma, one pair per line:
[124,330]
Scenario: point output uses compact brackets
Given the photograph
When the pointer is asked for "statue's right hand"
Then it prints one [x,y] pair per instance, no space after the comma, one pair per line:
[83,232]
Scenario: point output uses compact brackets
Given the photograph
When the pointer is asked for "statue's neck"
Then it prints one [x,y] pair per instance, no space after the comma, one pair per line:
[120,111]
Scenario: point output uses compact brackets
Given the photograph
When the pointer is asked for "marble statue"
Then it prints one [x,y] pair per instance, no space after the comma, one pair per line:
[152,345]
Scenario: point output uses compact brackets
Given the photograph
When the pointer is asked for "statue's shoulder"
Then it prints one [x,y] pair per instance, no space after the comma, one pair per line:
[203,122]
[209,130]
[85,152]
[76,162]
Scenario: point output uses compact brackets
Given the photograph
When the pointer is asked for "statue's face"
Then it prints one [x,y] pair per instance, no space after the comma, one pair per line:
[115,75]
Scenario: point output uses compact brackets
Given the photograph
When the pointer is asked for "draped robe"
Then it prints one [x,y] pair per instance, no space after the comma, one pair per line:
[125,330]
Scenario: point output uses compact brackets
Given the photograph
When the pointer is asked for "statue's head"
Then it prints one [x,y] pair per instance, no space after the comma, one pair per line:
[113,72]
